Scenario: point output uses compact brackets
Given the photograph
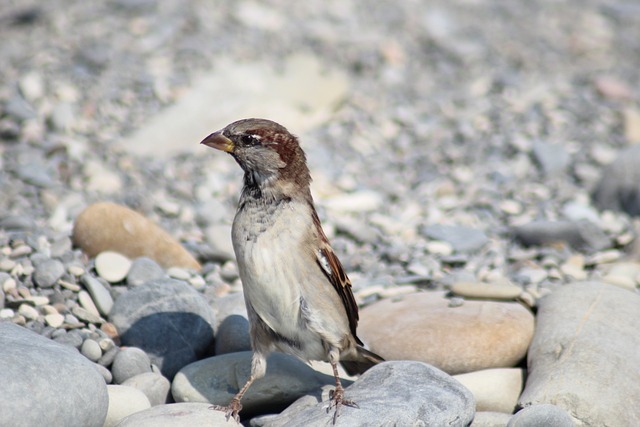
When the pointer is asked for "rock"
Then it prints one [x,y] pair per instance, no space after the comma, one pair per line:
[486,290]
[462,239]
[100,295]
[233,335]
[217,379]
[43,380]
[112,266]
[552,158]
[541,415]
[153,385]
[495,390]
[142,270]
[229,305]
[130,362]
[619,188]
[124,401]
[586,336]
[111,227]
[581,235]
[491,419]
[219,238]
[402,393]
[423,326]
[91,350]
[179,415]
[48,272]
[168,319]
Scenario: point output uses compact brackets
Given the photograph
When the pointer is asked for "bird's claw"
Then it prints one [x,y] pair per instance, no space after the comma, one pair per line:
[232,410]
[337,400]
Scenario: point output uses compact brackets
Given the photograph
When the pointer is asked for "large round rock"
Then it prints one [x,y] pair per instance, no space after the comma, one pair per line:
[42,380]
[168,319]
[401,393]
[424,326]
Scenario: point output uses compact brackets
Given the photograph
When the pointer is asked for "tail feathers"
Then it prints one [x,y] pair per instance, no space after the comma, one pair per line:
[363,360]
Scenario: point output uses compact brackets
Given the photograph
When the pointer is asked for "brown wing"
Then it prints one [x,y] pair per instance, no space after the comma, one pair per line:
[332,269]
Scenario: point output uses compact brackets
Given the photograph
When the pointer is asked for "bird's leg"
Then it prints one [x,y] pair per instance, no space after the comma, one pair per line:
[258,369]
[337,395]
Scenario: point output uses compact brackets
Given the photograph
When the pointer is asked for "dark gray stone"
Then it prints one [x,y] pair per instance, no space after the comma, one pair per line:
[48,272]
[541,416]
[43,380]
[142,270]
[169,320]
[233,335]
[462,239]
[581,235]
[402,393]
[129,362]
[586,337]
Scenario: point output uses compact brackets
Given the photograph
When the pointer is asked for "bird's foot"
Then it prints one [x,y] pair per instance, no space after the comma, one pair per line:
[337,400]
[231,410]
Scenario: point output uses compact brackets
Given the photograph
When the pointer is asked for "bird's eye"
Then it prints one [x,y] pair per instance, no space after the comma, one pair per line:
[250,140]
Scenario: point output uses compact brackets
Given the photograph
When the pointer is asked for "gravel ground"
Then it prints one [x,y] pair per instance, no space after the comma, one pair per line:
[459,133]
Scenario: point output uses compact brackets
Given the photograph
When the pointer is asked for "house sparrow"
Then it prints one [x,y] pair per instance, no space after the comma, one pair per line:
[298,297]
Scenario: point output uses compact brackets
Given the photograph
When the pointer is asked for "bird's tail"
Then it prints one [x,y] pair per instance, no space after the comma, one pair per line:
[363,360]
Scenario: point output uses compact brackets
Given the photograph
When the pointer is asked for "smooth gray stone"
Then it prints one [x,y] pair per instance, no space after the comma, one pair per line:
[399,393]
[99,294]
[142,270]
[587,337]
[462,239]
[43,380]
[153,385]
[48,272]
[543,415]
[178,415]
[169,320]
[619,186]
[551,158]
[128,363]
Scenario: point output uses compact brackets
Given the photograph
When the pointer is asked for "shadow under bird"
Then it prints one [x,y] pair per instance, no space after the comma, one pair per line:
[298,297]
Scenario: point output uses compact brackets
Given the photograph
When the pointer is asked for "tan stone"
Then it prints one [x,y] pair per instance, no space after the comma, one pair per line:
[110,227]
[495,390]
[473,336]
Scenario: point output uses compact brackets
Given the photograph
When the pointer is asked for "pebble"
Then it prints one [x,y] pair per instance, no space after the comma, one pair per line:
[423,326]
[86,316]
[124,401]
[112,266]
[142,270]
[111,227]
[583,330]
[156,387]
[99,294]
[617,188]
[87,303]
[553,159]
[541,415]
[486,290]
[55,320]
[494,390]
[48,272]
[91,350]
[581,235]
[219,238]
[128,363]
[361,201]
[162,315]
[178,273]
[28,312]
[233,335]
[462,239]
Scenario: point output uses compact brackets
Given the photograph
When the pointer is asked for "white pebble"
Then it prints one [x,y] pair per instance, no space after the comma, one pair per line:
[112,266]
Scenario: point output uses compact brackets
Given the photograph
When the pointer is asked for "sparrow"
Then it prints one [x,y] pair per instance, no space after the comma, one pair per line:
[298,296]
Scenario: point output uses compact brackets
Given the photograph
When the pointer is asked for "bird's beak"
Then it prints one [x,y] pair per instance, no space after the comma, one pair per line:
[218,141]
